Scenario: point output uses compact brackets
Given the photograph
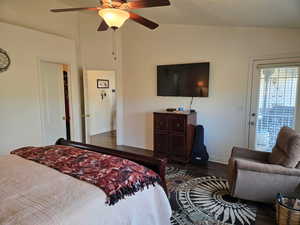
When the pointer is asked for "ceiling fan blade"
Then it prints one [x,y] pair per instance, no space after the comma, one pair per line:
[103,26]
[145,4]
[141,20]
[74,9]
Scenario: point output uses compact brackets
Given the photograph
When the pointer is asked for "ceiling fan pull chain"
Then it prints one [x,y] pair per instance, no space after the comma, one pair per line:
[114,45]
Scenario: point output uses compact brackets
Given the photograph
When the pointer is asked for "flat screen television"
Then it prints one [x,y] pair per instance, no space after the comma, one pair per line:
[187,80]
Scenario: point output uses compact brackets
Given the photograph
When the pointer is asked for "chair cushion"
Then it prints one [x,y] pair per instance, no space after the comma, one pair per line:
[286,152]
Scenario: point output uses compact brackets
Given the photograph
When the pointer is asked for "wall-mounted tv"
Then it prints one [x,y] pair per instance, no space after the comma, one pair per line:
[188,80]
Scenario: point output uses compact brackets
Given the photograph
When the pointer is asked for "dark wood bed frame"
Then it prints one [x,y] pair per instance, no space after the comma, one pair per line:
[158,165]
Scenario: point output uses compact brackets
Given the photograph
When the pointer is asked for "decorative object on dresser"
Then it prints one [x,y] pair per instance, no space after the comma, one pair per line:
[174,135]
[171,109]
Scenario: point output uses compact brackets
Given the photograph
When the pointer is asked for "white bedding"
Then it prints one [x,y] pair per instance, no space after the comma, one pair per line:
[33,194]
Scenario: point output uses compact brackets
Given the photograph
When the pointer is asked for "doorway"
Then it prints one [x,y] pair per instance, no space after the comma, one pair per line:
[55,101]
[101,108]
[274,103]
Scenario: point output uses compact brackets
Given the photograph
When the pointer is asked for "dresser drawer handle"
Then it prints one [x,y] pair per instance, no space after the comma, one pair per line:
[178,124]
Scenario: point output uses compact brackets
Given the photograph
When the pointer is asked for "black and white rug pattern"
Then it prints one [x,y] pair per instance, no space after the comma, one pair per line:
[205,201]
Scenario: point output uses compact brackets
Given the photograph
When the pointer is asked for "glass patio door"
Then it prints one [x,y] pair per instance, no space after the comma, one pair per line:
[274,103]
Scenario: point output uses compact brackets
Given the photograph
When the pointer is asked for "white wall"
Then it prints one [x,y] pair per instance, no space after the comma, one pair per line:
[19,86]
[35,14]
[229,50]
[102,110]
[96,47]
[93,49]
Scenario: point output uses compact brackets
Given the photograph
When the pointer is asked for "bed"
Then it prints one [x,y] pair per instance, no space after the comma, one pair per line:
[31,193]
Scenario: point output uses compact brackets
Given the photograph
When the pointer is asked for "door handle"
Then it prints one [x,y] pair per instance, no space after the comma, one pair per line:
[64,118]
[252,123]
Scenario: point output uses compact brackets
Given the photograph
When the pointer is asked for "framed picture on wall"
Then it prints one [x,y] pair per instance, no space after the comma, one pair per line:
[102,83]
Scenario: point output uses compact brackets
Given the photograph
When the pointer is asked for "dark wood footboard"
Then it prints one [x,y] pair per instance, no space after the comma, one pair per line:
[158,165]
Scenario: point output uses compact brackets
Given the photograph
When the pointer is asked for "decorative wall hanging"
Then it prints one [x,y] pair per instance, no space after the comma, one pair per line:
[4,60]
[102,83]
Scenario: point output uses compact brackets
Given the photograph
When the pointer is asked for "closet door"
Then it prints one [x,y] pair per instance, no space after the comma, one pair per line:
[53,102]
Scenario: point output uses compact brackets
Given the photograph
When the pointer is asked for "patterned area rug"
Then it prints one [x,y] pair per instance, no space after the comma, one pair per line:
[205,201]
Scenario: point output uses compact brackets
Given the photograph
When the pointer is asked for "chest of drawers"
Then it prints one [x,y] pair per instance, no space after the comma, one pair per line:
[174,135]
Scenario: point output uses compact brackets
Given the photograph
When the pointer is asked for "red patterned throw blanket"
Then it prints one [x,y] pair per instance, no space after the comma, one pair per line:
[117,177]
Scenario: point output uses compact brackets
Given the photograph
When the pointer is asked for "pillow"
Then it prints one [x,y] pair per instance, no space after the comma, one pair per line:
[286,152]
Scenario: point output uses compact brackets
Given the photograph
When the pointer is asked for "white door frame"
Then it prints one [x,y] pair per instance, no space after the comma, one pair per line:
[86,114]
[253,70]
[41,102]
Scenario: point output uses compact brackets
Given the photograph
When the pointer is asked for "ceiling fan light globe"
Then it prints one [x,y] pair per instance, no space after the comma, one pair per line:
[114,17]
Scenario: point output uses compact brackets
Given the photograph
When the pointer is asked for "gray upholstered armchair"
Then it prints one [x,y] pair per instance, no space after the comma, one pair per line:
[259,176]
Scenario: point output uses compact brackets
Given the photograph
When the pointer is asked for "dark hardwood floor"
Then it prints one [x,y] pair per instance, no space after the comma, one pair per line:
[265,213]
[107,139]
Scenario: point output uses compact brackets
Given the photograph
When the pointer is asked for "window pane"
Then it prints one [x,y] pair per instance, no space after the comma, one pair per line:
[276,105]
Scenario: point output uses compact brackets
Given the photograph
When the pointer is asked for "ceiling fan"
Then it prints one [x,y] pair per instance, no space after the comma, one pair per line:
[115,12]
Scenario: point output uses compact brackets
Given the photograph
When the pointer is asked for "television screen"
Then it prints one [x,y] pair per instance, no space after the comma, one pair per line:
[189,80]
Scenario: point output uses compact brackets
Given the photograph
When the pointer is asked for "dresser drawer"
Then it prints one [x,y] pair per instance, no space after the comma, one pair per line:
[177,143]
[161,142]
[161,122]
[177,124]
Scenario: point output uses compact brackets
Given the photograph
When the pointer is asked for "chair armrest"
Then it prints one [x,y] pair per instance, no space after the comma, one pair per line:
[244,164]
[238,152]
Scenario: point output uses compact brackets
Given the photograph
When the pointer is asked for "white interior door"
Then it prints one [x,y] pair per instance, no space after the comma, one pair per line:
[274,103]
[52,91]
[100,102]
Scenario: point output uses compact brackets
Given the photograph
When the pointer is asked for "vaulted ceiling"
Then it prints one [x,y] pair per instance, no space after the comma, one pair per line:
[263,13]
